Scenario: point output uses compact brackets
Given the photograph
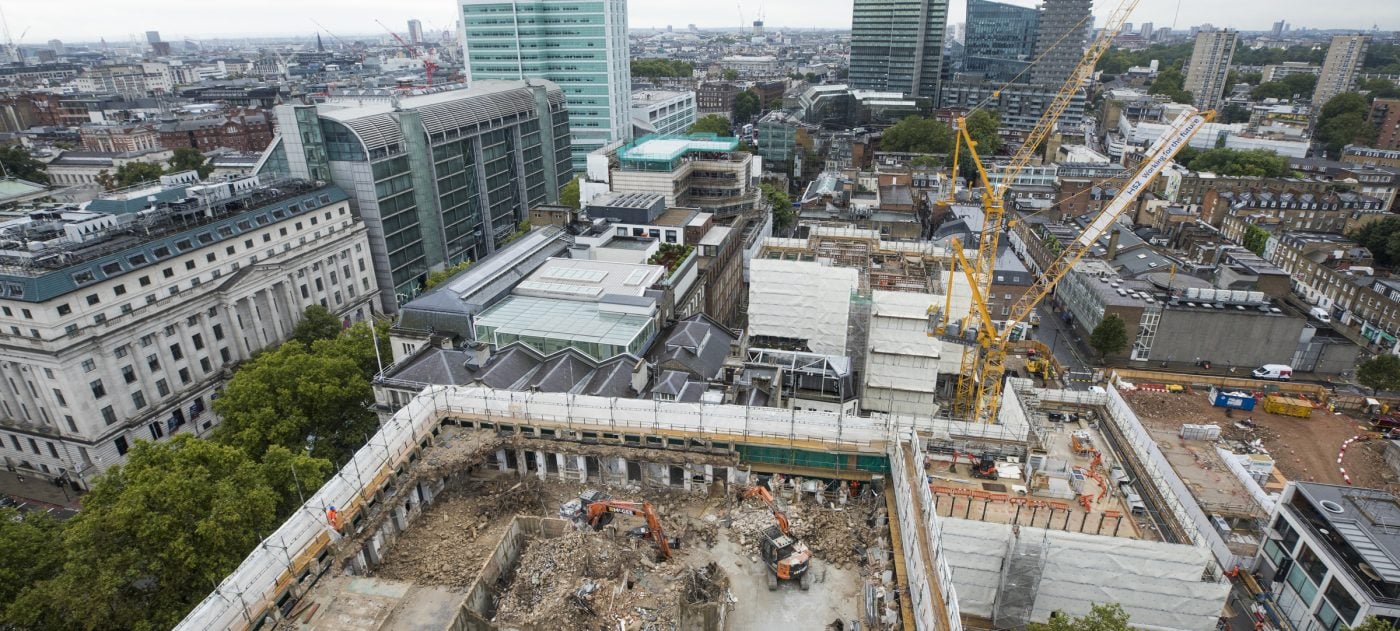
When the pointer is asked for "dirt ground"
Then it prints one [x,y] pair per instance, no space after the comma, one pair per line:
[1302,449]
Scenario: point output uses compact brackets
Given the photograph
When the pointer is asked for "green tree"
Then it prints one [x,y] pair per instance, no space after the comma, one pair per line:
[1382,238]
[31,554]
[729,74]
[156,533]
[440,276]
[317,323]
[1100,618]
[1372,623]
[656,68]
[783,212]
[915,134]
[812,77]
[133,173]
[1301,84]
[1255,239]
[746,106]
[712,124]
[316,400]
[1170,82]
[1381,372]
[1379,89]
[1233,162]
[569,195]
[1234,114]
[1270,90]
[19,164]
[1110,336]
[1342,121]
[983,125]
[190,159]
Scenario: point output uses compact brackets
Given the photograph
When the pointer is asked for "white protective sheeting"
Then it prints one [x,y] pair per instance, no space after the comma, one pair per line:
[902,355]
[1158,584]
[801,300]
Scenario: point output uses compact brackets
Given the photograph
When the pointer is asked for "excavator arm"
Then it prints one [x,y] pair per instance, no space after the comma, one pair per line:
[597,509]
[767,497]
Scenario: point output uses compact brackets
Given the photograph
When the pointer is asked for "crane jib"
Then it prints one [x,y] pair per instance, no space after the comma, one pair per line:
[1154,167]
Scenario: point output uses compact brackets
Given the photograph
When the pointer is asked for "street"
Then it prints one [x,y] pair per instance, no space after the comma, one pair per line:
[1053,332]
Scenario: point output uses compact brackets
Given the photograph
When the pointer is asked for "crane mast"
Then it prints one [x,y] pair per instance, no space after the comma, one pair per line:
[994,196]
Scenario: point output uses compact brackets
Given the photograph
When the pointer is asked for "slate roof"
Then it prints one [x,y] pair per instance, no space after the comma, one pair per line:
[697,345]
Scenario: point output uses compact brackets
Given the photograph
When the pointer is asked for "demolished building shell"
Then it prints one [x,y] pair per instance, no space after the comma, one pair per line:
[925,547]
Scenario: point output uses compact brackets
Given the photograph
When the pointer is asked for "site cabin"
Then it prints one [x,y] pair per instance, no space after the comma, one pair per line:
[1276,372]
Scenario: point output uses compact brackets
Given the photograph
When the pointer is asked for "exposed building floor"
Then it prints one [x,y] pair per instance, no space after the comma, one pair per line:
[587,579]
[1051,501]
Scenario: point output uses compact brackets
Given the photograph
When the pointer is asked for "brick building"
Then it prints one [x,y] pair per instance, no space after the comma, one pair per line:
[716,98]
[1385,115]
[246,130]
[122,138]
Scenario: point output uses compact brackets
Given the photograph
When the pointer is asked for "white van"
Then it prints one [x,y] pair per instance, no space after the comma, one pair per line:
[1279,372]
[1321,314]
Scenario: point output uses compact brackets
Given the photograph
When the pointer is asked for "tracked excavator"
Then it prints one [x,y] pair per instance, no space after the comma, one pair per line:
[596,509]
[787,557]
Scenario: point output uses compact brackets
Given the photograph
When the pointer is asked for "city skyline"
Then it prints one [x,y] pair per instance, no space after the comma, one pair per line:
[32,25]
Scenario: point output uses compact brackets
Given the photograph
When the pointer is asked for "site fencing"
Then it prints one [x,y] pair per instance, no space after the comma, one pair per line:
[914,525]
[1174,492]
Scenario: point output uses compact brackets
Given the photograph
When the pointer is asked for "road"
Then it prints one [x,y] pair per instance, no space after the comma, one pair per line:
[1053,332]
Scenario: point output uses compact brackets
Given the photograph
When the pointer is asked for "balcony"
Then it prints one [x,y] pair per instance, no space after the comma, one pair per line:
[1343,555]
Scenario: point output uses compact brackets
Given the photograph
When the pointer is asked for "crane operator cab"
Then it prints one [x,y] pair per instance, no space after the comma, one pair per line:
[786,557]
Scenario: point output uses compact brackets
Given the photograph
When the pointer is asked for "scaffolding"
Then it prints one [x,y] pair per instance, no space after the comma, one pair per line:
[1021,572]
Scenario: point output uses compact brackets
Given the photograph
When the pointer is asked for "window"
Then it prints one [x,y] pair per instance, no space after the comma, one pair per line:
[175,352]
[53,451]
[218,332]
[204,365]
[168,272]
[89,365]
[210,257]
[145,281]
[121,445]
[189,265]
[72,426]
[138,399]
[34,445]
[162,388]
[1342,601]
[92,299]
[120,351]
[224,355]
[185,376]
[148,339]
[64,309]
[109,416]
[129,374]
[58,396]
[198,341]
[98,391]
[119,290]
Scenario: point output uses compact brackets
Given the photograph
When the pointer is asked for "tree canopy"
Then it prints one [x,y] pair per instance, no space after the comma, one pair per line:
[1170,83]
[439,277]
[1233,162]
[190,159]
[1110,336]
[569,195]
[1255,239]
[1117,61]
[656,68]
[19,164]
[1382,59]
[916,134]
[317,323]
[157,533]
[1379,88]
[783,212]
[711,123]
[130,174]
[1382,238]
[1381,372]
[729,74]
[746,106]
[1100,618]
[1372,623]
[1343,121]
[1299,86]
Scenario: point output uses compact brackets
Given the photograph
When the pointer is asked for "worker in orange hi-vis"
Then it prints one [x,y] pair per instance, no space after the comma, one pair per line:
[333,518]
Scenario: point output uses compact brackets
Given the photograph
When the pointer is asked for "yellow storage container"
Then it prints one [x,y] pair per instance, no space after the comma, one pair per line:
[1288,406]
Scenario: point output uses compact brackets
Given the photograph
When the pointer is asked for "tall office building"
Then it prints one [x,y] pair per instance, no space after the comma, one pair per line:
[1279,28]
[1339,70]
[1060,39]
[437,178]
[1146,31]
[152,37]
[1209,67]
[897,45]
[579,45]
[1000,39]
[415,32]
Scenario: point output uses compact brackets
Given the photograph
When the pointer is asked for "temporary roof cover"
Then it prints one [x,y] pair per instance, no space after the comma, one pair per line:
[801,300]
[1158,584]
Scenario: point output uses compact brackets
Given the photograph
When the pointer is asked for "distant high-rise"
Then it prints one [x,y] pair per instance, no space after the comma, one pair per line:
[152,37]
[1147,30]
[1339,70]
[1000,39]
[1209,66]
[579,45]
[57,47]
[415,32]
[1279,28]
[897,45]
[1060,39]
[758,28]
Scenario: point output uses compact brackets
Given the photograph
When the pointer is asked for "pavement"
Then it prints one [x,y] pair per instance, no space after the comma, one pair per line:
[37,491]
[1059,336]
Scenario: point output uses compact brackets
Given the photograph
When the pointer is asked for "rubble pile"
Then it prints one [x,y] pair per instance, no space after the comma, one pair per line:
[839,535]
[706,584]
[458,533]
[568,581]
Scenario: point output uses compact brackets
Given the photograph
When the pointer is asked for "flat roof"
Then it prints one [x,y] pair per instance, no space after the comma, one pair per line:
[664,148]
[590,279]
[1368,519]
[570,320]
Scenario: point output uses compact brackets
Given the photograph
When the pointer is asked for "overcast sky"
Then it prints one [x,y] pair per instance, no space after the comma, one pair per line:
[118,21]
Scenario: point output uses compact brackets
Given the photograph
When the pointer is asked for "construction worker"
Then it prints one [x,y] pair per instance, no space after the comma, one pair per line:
[333,518]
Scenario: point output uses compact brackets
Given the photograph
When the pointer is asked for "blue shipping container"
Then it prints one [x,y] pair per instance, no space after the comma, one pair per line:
[1236,400]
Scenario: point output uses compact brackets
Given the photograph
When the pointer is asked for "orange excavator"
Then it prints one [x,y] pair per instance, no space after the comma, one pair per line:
[596,509]
[787,558]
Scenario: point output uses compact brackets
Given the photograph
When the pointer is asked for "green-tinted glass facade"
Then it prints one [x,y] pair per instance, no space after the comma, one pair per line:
[897,45]
[1000,40]
[581,46]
